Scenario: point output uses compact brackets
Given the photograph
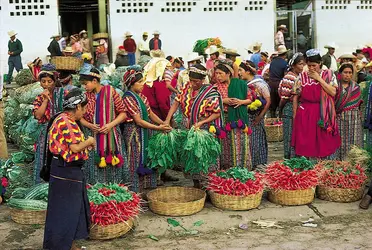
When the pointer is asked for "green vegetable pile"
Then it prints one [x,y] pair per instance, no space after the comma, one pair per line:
[200,151]
[237,173]
[24,77]
[34,198]
[20,126]
[299,163]
[101,193]
[164,149]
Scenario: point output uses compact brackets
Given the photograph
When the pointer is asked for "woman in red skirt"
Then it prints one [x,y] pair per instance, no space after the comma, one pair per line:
[315,132]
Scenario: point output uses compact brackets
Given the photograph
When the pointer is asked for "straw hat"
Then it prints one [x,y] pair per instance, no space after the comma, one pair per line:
[156,32]
[211,50]
[256,47]
[145,34]
[331,45]
[157,53]
[347,56]
[193,56]
[54,36]
[283,26]
[128,34]
[95,43]
[231,52]
[82,32]
[282,50]
[359,66]
[12,33]
[68,50]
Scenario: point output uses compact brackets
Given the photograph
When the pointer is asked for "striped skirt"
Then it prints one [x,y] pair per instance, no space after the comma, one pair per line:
[39,153]
[351,131]
[287,130]
[134,146]
[109,174]
[259,147]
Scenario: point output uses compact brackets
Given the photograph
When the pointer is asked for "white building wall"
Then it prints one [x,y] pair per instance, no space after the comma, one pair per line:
[238,23]
[35,21]
[348,23]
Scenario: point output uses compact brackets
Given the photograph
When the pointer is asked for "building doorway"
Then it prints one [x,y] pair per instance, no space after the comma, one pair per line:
[298,17]
[76,16]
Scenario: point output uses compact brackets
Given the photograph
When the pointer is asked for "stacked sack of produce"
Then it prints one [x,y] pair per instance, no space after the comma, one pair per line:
[21,127]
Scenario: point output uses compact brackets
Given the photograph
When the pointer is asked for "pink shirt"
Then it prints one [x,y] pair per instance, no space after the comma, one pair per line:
[76,47]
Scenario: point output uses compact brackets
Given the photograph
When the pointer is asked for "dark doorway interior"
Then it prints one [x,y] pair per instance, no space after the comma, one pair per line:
[74,15]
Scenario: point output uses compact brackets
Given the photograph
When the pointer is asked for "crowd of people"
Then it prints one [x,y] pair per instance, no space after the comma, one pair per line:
[102,136]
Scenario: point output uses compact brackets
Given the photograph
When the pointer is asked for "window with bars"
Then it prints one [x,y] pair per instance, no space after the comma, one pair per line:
[134,6]
[28,8]
[365,5]
[336,4]
[255,5]
[178,6]
[221,6]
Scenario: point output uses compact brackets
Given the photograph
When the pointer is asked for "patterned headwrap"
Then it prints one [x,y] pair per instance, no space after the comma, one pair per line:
[227,63]
[72,102]
[198,71]
[49,69]
[247,67]
[312,52]
[131,77]
[291,62]
[65,80]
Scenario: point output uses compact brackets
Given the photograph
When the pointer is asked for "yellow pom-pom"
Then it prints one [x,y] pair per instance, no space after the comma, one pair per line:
[115,161]
[212,129]
[259,103]
[245,130]
[102,163]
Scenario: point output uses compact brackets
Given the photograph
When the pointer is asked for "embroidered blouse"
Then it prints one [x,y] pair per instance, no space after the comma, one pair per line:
[63,133]
[186,99]
[305,80]
[53,107]
[223,89]
[91,106]
[132,106]
[286,86]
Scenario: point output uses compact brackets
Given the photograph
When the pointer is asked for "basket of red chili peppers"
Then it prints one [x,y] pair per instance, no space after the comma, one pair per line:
[235,189]
[113,208]
[291,182]
[340,181]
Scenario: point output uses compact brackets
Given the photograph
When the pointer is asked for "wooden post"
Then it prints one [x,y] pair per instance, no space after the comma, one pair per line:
[90,29]
[102,16]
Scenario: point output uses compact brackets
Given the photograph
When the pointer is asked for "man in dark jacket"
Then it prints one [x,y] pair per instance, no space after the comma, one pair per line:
[122,58]
[155,43]
[54,48]
[14,51]
[278,67]
[329,59]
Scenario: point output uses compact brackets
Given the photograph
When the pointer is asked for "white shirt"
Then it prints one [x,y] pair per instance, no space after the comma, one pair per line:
[279,38]
[60,42]
[144,45]
[333,66]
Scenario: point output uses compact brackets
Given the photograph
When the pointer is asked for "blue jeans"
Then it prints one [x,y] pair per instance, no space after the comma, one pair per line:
[14,62]
[132,58]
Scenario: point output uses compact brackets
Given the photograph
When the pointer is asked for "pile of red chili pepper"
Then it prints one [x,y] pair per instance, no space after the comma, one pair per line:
[293,174]
[112,204]
[235,181]
[341,174]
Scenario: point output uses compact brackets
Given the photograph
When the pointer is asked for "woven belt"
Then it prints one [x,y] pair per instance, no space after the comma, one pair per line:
[65,179]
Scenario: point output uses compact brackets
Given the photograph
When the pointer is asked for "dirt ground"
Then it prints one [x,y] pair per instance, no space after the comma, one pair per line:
[339,226]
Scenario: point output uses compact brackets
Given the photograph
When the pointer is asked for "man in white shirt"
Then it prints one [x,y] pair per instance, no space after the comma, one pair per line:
[279,37]
[329,59]
[62,42]
[144,45]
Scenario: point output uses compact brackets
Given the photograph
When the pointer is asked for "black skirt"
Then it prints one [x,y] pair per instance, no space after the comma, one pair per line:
[68,215]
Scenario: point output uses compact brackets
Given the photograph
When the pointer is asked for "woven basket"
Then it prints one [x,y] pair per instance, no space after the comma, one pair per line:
[339,194]
[274,133]
[67,62]
[100,36]
[176,201]
[291,197]
[28,217]
[98,232]
[231,202]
